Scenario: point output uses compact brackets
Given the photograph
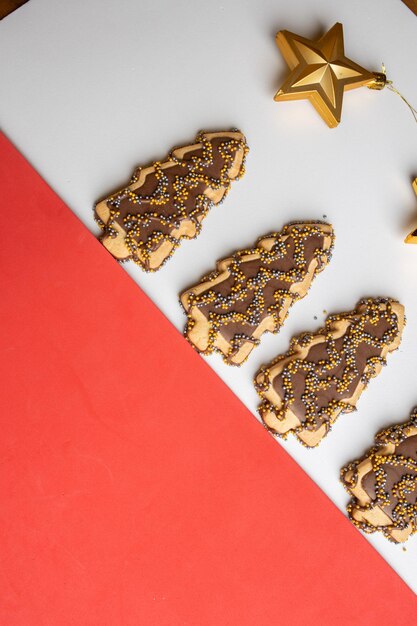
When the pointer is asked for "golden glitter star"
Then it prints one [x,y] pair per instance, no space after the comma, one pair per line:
[412,237]
[320,72]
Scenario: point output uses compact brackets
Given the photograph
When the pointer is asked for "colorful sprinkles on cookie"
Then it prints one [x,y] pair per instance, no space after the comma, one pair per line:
[166,202]
[324,373]
[251,292]
[383,483]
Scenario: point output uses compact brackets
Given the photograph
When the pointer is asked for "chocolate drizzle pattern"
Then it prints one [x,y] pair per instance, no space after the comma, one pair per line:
[167,201]
[383,483]
[251,292]
[324,373]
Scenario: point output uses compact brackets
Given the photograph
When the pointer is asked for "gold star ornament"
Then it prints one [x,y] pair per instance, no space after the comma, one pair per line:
[412,237]
[321,73]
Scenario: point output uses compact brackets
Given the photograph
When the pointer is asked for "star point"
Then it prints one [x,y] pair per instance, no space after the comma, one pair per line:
[412,237]
[320,72]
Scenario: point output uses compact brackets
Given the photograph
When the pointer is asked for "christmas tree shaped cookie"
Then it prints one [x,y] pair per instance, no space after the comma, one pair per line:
[250,292]
[324,373]
[383,483]
[167,201]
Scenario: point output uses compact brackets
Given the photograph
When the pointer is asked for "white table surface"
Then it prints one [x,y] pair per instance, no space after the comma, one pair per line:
[91,88]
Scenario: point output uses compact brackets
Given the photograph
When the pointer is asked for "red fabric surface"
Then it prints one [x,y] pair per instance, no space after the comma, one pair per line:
[135,487]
